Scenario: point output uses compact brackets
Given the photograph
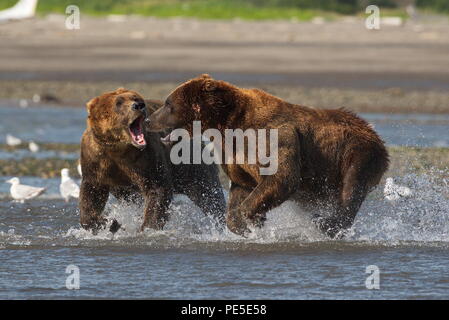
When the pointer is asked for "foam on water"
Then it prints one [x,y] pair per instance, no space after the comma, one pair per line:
[421,218]
[286,259]
[189,225]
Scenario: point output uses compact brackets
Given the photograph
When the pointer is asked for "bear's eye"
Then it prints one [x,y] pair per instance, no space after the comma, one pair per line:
[169,106]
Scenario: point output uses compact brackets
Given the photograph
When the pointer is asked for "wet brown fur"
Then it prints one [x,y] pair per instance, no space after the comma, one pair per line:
[329,159]
[112,164]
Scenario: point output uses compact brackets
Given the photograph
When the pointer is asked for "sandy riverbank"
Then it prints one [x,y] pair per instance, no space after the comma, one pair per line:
[331,64]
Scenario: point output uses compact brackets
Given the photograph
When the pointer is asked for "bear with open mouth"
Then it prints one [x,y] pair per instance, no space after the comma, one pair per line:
[328,159]
[119,157]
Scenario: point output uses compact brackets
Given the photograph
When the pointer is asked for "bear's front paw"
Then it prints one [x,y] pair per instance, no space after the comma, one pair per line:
[237,224]
[94,224]
[258,220]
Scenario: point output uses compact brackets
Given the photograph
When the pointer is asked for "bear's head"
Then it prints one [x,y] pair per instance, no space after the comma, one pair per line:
[116,118]
[200,99]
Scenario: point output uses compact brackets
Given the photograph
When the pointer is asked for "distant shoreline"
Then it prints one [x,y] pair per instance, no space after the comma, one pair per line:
[77,93]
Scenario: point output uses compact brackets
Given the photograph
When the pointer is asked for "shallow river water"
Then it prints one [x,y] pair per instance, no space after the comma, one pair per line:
[65,125]
[407,240]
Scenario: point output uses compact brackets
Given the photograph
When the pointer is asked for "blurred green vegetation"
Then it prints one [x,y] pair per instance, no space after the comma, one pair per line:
[229,9]
[435,5]
[213,9]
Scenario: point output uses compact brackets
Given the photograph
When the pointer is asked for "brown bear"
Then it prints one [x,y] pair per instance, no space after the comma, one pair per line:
[328,160]
[119,157]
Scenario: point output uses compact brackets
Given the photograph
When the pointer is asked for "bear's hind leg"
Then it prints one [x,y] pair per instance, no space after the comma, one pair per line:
[353,192]
[345,214]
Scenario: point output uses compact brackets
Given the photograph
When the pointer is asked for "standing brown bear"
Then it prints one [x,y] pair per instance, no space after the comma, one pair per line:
[328,160]
[118,157]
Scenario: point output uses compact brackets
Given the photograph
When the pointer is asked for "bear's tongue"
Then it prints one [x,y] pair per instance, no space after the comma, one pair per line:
[137,132]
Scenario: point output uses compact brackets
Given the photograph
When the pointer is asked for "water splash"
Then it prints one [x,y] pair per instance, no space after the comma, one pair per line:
[423,217]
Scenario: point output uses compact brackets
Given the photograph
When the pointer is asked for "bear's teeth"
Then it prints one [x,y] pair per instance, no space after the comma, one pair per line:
[166,138]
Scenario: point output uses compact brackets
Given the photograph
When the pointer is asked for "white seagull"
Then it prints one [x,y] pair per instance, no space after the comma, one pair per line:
[23,9]
[12,141]
[68,187]
[394,192]
[21,192]
[33,146]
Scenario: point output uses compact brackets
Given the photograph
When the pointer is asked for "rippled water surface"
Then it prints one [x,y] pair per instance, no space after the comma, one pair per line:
[408,240]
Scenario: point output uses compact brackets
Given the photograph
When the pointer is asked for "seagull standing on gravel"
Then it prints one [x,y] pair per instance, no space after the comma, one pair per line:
[68,187]
[393,191]
[12,141]
[33,146]
[21,192]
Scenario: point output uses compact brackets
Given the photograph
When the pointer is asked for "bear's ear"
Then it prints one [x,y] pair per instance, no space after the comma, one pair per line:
[91,104]
[120,90]
[209,85]
[205,76]
[119,101]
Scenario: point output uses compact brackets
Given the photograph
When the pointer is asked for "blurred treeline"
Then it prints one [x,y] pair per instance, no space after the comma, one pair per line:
[339,6]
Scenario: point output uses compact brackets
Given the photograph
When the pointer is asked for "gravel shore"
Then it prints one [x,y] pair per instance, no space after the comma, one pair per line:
[403,160]
[76,94]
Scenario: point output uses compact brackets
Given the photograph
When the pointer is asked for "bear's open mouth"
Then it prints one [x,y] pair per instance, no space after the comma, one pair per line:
[136,131]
